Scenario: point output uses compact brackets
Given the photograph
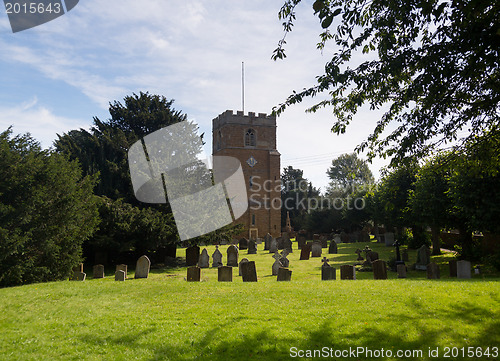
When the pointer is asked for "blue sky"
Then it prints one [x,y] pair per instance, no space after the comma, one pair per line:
[56,77]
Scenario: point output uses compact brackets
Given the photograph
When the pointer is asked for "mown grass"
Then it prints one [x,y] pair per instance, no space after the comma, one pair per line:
[166,318]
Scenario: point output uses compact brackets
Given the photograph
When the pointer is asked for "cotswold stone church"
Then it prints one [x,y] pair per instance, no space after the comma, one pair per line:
[252,139]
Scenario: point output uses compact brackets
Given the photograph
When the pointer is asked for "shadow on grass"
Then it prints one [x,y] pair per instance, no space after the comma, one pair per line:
[243,338]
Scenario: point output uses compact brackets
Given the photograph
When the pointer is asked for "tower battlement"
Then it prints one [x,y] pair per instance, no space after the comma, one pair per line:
[229,117]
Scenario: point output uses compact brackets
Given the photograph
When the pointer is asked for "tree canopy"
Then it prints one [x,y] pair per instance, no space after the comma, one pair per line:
[47,210]
[433,64]
[348,170]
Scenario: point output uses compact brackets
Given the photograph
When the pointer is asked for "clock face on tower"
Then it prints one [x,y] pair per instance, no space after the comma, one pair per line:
[251,161]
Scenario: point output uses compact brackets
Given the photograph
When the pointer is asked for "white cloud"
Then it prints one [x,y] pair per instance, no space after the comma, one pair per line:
[38,120]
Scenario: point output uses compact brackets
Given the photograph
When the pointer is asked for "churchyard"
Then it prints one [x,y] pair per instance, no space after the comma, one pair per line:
[164,317]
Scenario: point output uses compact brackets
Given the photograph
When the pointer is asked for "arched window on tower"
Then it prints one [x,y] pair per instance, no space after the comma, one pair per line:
[250,140]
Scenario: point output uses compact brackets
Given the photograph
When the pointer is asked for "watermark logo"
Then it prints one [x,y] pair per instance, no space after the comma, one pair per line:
[165,165]
[26,14]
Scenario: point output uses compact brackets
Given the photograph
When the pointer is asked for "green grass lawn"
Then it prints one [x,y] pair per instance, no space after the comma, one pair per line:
[166,318]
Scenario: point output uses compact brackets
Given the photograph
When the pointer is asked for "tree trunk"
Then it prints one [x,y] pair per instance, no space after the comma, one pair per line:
[436,240]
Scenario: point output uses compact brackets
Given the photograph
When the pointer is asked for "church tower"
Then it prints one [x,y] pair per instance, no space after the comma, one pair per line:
[252,139]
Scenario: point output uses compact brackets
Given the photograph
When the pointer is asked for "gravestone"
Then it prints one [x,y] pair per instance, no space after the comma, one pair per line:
[98,271]
[371,256]
[248,272]
[120,275]
[267,242]
[453,268]
[204,261]
[277,264]
[379,270]
[405,255]
[142,267]
[280,242]
[305,251]
[193,274]
[327,271]
[122,267]
[464,269]
[252,247]
[232,256]
[239,266]
[315,237]
[243,243]
[273,247]
[316,249]
[358,252]
[401,268]
[389,239]
[344,237]
[217,258]
[364,236]
[337,239]
[284,274]
[78,268]
[333,249]
[283,260]
[80,276]
[301,240]
[192,255]
[287,244]
[347,272]
[423,258]
[225,274]
[324,241]
[432,271]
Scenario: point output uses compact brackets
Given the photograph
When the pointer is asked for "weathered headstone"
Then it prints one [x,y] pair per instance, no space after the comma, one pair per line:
[464,269]
[453,268]
[78,268]
[267,242]
[432,271]
[305,252]
[142,267]
[281,243]
[248,272]
[217,258]
[315,237]
[239,265]
[423,258]
[344,237]
[284,261]
[337,239]
[80,276]
[122,267]
[379,270]
[277,264]
[120,275]
[252,247]
[389,239]
[401,268]
[301,240]
[327,271]
[243,243]
[358,252]
[333,249]
[225,274]
[284,274]
[287,244]
[192,255]
[324,241]
[347,272]
[98,271]
[193,274]
[232,256]
[364,236]
[371,256]
[404,255]
[204,261]
[316,249]
[273,247]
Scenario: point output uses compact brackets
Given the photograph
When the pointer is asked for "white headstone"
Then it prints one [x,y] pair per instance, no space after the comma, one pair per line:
[142,267]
